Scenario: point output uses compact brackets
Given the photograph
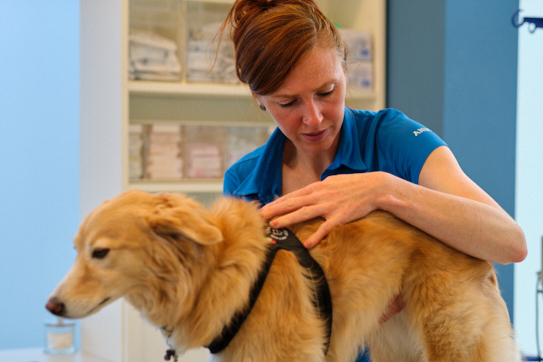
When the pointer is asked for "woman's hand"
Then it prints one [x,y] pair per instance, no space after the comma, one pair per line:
[338,199]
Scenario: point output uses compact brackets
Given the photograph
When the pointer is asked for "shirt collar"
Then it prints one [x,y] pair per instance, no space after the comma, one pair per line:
[264,182]
[349,154]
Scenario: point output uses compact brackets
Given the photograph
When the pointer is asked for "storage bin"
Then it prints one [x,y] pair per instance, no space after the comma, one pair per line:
[205,151]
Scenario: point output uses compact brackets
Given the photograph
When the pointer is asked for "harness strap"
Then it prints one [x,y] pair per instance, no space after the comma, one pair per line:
[282,239]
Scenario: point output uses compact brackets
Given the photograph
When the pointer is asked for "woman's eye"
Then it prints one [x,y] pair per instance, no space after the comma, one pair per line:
[323,94]
[100,253]
[326,93]
[285,105]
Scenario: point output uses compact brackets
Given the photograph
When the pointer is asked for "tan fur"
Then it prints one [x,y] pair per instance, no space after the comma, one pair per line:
[190,269]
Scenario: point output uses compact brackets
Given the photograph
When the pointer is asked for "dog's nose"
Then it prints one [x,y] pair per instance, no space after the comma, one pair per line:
[55,306]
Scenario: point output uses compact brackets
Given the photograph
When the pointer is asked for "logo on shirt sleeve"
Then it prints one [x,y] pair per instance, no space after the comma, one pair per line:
[420,130]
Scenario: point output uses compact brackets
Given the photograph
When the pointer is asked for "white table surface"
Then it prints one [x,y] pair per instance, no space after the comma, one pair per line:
[37,355]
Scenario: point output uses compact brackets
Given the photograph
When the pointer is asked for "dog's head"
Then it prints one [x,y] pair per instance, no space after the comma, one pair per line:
[138,245]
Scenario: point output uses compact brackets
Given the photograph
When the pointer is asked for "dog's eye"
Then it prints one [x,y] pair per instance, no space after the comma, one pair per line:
[100,253]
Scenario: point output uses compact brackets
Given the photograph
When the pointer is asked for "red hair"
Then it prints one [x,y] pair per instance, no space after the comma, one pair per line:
[272,37]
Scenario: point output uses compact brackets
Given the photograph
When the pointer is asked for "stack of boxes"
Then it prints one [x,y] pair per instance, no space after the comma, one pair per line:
[204,62]
[153,57]
[164,154]
[204,153]
[174,152]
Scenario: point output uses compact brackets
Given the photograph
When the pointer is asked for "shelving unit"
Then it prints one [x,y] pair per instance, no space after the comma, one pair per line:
[111,103]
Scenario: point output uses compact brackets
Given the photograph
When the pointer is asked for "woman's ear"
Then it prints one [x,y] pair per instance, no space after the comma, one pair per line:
[184,221]
[258,100]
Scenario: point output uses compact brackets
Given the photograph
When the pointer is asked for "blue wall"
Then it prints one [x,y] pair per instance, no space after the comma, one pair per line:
[481,93]
[415,60]
[39,160]
[481,101]
[453,66]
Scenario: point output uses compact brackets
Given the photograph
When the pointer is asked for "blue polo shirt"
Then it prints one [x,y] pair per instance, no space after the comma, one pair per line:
[386,141]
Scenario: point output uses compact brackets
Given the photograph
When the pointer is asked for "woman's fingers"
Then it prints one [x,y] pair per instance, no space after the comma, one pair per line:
[289,203]
[318,235]
[301,214]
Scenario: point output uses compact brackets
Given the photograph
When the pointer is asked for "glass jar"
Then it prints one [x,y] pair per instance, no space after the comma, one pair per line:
[60,337]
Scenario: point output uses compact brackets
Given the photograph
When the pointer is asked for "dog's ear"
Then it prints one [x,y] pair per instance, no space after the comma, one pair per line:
[177,222]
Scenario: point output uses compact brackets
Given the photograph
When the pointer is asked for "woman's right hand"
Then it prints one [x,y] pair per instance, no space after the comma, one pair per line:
[338,199]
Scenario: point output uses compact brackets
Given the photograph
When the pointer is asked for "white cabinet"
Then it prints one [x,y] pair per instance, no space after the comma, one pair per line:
[112,104]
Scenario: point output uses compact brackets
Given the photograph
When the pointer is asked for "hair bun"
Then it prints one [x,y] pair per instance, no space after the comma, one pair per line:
[244,7]
[271,36]
[267,4]
[243,12]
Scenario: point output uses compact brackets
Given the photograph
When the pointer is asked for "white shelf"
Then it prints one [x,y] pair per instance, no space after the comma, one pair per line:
[360,94]
[184,186]
[188,89]
[173,89]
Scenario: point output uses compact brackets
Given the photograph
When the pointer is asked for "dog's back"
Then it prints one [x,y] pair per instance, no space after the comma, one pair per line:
[453,307]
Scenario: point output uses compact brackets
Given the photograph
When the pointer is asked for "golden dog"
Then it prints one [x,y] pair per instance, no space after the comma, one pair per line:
[189,270]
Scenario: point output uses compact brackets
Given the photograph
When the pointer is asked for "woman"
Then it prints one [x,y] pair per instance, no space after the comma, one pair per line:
[326,160]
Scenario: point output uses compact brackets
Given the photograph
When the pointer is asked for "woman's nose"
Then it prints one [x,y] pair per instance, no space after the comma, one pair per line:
[312,114]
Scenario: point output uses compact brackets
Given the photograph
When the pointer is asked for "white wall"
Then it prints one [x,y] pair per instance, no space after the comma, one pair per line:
[529,174]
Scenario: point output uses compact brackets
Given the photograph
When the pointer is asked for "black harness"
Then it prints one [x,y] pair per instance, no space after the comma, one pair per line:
[282,239]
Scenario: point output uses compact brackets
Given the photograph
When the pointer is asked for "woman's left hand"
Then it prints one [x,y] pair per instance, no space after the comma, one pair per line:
[338,199]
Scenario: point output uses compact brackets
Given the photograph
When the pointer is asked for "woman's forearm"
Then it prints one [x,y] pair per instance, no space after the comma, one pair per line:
[472,227]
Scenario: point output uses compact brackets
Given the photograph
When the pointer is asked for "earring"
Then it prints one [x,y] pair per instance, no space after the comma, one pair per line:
[262,107]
